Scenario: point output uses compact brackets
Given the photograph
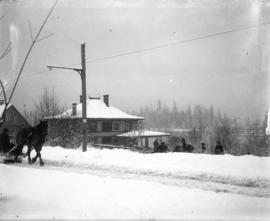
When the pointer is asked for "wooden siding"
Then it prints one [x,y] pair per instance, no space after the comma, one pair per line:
[69,128]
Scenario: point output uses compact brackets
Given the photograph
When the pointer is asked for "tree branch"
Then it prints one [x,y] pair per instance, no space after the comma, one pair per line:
[47,36]
[30,30]
[6,50]
[30,49]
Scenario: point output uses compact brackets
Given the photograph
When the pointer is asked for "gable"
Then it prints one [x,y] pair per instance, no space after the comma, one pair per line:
[14,117]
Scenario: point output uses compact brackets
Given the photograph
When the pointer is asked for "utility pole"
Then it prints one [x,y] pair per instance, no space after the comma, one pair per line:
[82,73]
[84,117]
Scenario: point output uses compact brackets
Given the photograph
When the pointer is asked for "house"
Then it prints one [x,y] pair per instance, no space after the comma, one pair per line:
[14,120]
[104,123]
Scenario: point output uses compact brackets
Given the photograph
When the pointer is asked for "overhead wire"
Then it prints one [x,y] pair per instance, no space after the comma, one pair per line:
[160,46]
[176,43]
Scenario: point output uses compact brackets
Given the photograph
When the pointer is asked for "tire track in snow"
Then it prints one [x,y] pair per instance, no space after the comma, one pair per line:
[203,181]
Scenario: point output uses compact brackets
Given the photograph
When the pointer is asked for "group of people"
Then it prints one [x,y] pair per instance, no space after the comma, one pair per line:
[187,148]
[160,148]
[218,148]
[184,147]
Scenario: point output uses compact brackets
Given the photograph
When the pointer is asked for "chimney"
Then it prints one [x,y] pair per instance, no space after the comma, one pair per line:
[106,99]
[2,102]
[74,109]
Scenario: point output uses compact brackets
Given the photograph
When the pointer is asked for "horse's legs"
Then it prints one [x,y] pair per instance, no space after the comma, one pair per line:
[38,149]
[41,162]
[18,151]
[35,158]
[28,154]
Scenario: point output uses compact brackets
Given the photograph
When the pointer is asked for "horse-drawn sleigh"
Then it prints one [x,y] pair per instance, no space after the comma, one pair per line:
[32,137]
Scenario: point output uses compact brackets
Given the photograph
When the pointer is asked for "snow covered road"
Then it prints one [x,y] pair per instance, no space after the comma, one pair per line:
[28,193]
[126,184]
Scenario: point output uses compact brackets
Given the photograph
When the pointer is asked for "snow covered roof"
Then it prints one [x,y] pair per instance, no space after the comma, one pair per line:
[97,109]
[143,133]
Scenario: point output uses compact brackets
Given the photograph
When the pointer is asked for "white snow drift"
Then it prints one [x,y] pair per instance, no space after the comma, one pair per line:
[244,170]
[57,191]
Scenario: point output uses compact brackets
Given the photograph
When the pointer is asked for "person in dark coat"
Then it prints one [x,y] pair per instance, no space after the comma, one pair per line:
[177,148]
[5,145]
[219,148]
[156,145]
[184,145]
[163,147]
[203,149]
[189,148]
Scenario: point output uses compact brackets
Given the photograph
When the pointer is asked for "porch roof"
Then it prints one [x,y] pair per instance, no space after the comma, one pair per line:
[143,133]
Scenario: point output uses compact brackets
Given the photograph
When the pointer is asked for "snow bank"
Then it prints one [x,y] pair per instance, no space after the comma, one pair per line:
[41,194]
[245,170]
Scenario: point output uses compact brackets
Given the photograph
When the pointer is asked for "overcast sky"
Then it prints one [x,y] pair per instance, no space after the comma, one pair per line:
[229,71]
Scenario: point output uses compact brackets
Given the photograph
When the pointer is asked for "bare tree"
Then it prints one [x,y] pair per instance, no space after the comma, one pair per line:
[47,105]
[34,41]
[6,51]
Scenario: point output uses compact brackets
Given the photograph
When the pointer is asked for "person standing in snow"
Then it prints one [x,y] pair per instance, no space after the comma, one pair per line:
[219,148]
[163,147]
[203,149]
[177,148]
[156,145]
[184,145]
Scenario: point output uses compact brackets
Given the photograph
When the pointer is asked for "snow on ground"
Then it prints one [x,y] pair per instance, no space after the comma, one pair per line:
[244,170]
[28,193]
[121,184]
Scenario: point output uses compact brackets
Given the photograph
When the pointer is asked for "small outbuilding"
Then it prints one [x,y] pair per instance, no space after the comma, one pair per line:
[142,138]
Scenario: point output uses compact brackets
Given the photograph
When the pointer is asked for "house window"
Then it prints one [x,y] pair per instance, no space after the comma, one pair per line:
[107,126]
[116,126]
[92,126]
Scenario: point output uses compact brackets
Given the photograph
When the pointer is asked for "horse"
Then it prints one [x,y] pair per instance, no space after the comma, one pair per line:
[33,138]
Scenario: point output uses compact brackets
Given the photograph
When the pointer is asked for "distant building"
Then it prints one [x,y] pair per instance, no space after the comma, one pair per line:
[142,138]
[14,120]
[104,121]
